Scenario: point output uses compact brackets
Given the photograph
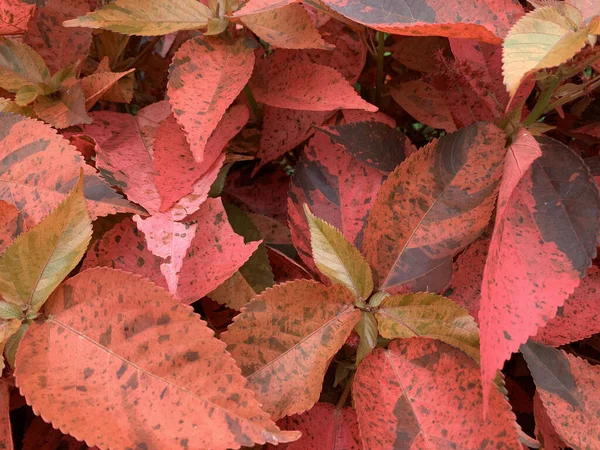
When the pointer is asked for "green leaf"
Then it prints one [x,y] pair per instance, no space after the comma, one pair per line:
[38,260]
[367,330]
[428,315]
[146,17]
[12,344]
[337,258]
[20,66]
[7,329]
[27,94]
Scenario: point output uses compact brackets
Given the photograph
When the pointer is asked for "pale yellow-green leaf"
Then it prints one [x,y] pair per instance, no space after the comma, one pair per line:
[216,26]
[337,258]
[10,106]
[12,344]
[39,259]
[7,329]
[367,330]
[10,311]
[146,17]
[546,37]
[428,315]
[27,94]
[20,65]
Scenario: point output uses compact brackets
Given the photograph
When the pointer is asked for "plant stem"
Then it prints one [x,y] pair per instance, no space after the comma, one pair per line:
[142,54]
[346,393]
[544,99]
[251,101]
[380,52]
[593,84]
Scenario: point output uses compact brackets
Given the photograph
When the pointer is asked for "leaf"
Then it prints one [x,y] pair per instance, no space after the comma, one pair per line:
[205,77]
[7,329]
[544,430]
[6,440]
[59,46]
[337,258]
[42,436]
[146,18]
[588,8]
[286,370]
[9,216]
[39,168]
[122,380]
[544,38]
[20,66]
[14,16]
[336,187]
[286,80]
[286,27]
[467,19]
[374,143]
[444,195]
[421,393]
[366,328]
[420,53]
[579,318]
[213,256]
[425,103]
[64,108]
[431,316]
[543,241]
[257,6]
[39,259]
[566,386]
[324,427]
[99,83]
[284,268]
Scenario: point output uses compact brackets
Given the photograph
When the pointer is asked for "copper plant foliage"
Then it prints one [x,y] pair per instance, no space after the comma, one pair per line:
[306,224]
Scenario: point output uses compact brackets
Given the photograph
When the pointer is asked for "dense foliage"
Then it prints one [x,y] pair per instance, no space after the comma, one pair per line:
[327,224]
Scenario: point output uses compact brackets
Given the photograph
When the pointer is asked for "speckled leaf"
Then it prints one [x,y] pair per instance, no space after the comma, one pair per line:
[337,258]
[205,77]
[425,103]
[486,20]
[544,430]
[146,17]
[288,80]
[286,369]
[14,16]
[42,436]
[113,369]
[6,440]
[39,259]
[323,427]
[432,206]
[286,27]
[284,268]
[9,218]
[256,6]
[39,168]
[337,188]
[59,46]
[374,143]
[99,83]
[20,65]
[421,393]
[567,386]
[431,316]
[64,108]
[544,239]
[579,318]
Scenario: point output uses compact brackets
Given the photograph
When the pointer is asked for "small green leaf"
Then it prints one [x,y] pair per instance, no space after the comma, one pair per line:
[146,17]
[367,330]
[38,260]
[7,329]
[27,94]
[20,66]
[10,311]
[428,315]
[337,258]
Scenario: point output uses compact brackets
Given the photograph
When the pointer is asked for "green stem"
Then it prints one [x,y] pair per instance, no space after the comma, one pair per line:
[544,99]
[594,83]
[380,53]
[251,101]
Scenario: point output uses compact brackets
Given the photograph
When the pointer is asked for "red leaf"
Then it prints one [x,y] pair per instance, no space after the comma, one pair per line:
[420,53]
[42,436]
[256,6]
[580,316]
[323,427]
[288,80]
[421,393]
[544,430]
[57,45]
[14,16]
[9,217]
[39,168]
[102,83]
[6,440]
[544,239]
[444,194]
[285,268]
[205,77]
[214,254]
[121,379]
[485,20]
[286,370]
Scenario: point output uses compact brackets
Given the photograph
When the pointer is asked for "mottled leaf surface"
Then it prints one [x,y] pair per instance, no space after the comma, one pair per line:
[128,370]
[20,65]
[432,206]
[96,85]
[6,440]
[64,108]
[544,430]
[256,6]
[543,241]
[14,16]
[284,339]
[9,218]
[421,393]
[205,77]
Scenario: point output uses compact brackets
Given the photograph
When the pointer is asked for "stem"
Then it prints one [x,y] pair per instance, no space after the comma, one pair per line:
[544,99]
[380,52]
[251,101]
[594,83]
[142,54]
[346,393]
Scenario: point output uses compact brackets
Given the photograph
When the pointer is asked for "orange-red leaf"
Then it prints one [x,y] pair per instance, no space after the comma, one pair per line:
[544,239]
[96,85]
[432,206]
[485,20]
[421,393]
[129,370]
[544,430]
[6,440]
[39,168]
[256,6]
[64,108]
[14,16]
[286,369]
[205,77]
[9,217]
